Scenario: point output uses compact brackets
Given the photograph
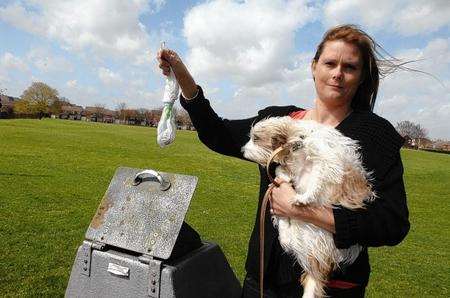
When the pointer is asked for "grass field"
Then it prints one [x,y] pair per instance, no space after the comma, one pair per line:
[54,173]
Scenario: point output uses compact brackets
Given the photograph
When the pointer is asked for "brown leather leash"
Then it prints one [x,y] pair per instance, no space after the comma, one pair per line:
[262,217]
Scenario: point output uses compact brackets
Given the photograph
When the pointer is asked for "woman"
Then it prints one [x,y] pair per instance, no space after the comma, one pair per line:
[346,76]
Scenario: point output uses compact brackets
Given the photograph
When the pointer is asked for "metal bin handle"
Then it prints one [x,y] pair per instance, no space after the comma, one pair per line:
[151,175]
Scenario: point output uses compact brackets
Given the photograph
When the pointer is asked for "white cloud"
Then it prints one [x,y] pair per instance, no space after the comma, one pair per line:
[370,13]
[71,83]
[423,16]
[405,17]
[157,5]
[108,77]
[10,62]
[46,61]
[82,95]
[418,97]
[17,15]
[104,27]
[250,42]
[434,59]
[3,81]
[142,98]
[14,74]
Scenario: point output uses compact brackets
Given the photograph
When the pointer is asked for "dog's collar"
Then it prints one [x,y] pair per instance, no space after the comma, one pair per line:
[269,161]
[295,145]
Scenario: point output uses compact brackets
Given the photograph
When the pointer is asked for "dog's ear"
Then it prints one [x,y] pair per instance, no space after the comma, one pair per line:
[278,140]
[283,130]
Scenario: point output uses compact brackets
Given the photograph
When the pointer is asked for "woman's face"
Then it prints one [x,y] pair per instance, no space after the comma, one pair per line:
[337,73]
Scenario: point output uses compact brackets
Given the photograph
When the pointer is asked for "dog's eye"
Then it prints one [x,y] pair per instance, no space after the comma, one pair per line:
[301,136]
[256,138]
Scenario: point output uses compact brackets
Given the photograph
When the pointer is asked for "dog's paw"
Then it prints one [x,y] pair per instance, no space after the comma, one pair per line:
[285,178]
[302,199]
[281,174]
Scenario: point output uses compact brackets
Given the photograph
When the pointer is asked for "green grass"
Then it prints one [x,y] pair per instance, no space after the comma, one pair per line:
[54,173]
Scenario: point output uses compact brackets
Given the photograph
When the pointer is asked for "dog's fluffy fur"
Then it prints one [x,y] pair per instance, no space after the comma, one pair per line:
[325,169]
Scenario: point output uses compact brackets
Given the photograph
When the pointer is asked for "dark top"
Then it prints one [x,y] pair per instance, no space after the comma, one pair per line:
[383,222]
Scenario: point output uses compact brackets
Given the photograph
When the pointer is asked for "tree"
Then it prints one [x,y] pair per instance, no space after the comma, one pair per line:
[121,107]
[23,107]
[99,110]
[153,116]
[410,129]
[140,114]
[55,107]
[184,119]
[65,101]
[130,116]
[2,92]
[39,97]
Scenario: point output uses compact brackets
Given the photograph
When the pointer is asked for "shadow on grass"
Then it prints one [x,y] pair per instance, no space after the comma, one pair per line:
[24,175]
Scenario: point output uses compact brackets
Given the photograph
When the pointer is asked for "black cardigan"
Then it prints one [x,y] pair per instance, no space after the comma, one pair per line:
[383,222]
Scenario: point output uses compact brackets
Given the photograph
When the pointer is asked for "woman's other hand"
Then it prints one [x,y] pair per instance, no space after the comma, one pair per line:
[169,59]
[281,200]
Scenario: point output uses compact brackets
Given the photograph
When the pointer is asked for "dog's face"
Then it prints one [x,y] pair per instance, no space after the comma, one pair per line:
[269,134]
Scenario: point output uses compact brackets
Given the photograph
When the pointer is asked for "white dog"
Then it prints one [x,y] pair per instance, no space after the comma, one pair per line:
[325,169]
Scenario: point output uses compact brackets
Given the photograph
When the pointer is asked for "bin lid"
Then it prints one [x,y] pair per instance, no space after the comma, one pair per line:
[142,218]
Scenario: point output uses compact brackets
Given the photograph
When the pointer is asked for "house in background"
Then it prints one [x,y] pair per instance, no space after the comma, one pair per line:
[417,143]
[422,143]
[7,105]
[99,114]
[71,112]
[108,116]
[441,145]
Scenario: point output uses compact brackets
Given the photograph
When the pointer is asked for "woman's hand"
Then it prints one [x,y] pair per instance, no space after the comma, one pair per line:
[281,205]
[281,200]
[169,59]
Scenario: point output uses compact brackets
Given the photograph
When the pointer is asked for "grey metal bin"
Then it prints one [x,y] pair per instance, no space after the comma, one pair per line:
[128,249]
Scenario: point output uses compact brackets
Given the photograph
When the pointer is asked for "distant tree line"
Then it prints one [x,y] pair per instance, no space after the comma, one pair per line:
[40,100]
[416,137]
[411,130]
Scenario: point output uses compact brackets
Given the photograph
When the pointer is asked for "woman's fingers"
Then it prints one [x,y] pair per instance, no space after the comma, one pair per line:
[281,199]
[168,59]
[162,55]
[279,180]
[165,68]
[163,62]
[168,56]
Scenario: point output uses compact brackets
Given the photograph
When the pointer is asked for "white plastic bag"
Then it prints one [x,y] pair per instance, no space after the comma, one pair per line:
[167,124]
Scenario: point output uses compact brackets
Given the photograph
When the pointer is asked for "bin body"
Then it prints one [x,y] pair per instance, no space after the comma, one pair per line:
[204,272]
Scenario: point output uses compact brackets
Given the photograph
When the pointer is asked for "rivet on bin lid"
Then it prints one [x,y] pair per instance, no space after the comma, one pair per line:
[143,217]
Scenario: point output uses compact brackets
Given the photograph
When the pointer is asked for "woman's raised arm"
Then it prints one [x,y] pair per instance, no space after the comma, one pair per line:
[169,59]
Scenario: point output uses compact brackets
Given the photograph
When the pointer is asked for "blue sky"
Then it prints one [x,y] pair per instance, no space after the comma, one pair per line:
[245,54]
